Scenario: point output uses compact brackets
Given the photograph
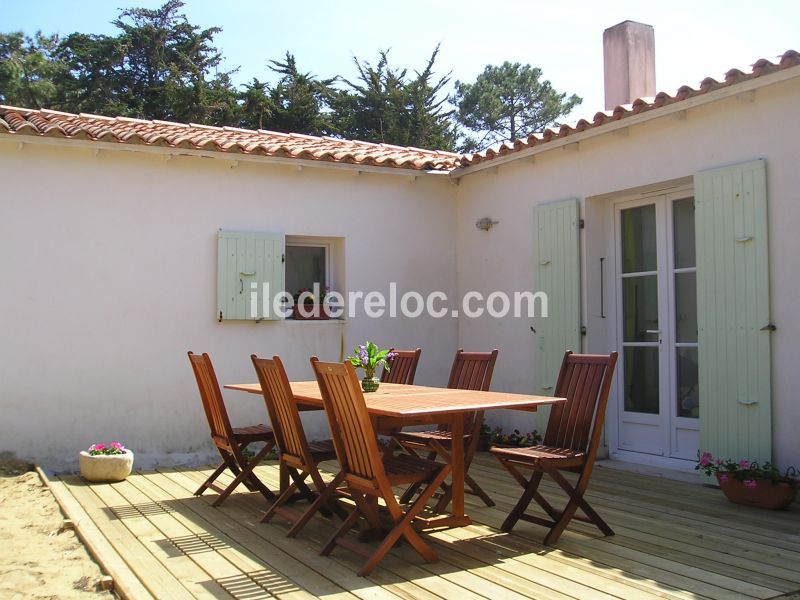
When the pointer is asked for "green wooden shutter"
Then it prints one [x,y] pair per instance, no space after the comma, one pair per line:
[244,258]
[558,275]
[732,312]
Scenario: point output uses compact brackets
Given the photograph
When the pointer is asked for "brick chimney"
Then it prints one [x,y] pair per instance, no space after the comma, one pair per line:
[629,62]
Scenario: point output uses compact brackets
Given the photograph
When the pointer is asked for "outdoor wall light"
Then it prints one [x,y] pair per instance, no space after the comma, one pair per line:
[485,224]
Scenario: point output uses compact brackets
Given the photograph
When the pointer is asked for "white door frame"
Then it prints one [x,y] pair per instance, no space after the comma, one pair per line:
[666,320]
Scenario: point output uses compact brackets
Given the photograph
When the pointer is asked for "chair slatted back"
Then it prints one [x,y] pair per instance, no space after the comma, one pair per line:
[282,409]
[585,381]
[213,404]
[351,428]
[403,367]
[472,370]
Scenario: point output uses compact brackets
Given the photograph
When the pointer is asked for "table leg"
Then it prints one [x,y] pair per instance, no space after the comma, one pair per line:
[457,465]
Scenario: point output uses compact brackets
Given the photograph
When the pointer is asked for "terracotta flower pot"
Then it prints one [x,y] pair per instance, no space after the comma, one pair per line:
[315,312]
[758,492]
[105,467]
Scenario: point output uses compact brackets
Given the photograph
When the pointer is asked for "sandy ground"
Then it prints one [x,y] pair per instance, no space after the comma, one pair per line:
[39,559]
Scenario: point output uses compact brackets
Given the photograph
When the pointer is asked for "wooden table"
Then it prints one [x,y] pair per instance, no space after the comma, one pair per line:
[395,405]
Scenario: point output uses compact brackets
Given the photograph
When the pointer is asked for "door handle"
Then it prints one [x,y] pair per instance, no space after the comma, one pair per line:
[652,331]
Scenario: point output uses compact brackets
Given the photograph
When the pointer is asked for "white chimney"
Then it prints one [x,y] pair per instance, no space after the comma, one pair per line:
[629,62]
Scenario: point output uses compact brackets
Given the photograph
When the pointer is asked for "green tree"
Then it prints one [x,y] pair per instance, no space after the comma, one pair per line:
[256,105]
[506,103]
[91,80]
[299,100]
[29,69]
[165,63]
[385,105]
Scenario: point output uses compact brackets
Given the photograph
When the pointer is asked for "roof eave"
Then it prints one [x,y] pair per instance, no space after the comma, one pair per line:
[232,158]
[634,119]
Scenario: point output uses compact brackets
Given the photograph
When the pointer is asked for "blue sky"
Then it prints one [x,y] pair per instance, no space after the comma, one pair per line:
[693,39]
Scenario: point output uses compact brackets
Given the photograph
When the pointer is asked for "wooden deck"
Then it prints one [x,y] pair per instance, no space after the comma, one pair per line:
[673,540]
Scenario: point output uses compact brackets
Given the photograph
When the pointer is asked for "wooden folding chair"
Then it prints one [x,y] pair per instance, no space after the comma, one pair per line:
[297,456]
[230,441]
[470,371]
[402,367]
[369,476]
[570,444]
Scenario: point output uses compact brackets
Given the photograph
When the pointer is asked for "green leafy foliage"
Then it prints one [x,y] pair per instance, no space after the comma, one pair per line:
[158,65]
[506,103]
[298,100]
[386,105]
[29,70]
[369,357]
[744,470]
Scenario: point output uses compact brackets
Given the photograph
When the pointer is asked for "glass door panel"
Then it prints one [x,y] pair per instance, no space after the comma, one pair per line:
[641,379]
[685,411]
[658,399]
[640,286]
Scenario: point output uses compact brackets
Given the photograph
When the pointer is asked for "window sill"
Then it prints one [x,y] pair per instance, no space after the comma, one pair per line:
[315,321]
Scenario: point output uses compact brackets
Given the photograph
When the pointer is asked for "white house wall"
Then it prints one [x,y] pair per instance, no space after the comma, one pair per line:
[766,125]
[108,266]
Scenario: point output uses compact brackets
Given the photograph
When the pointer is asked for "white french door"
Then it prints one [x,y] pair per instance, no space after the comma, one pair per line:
[657,399]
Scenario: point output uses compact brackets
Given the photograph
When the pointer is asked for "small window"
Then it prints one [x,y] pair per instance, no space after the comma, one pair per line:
[306,265]
[315,264]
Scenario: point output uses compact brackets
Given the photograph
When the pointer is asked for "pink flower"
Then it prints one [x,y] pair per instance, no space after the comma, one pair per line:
[705,459]
[743,464]
[718,462]
[99,447]
[723,478]
[750,483]
[117,446]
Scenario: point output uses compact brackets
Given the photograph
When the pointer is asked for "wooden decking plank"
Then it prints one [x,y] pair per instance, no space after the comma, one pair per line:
[491,573]
[534,560]
[785,571]
[412,568]
[732,579]
[158,580]
[291,561]
[716,509]
[515,574]
[620,504]
[671,543]
[343,575]
[745,569]
[679,575]
[180,565]
[613,580]
[246,562]
[126,583]
[213,554]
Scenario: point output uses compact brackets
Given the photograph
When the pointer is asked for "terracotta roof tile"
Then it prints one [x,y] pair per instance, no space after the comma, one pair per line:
[125,130]
[761,67]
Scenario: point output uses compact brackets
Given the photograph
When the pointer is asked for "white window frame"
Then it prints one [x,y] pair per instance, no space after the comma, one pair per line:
[330,247]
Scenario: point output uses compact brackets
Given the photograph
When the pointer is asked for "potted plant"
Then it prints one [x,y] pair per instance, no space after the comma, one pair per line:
[105,462]
[515,438]
[369,357]
[307,307]
[750,483]
[485,438]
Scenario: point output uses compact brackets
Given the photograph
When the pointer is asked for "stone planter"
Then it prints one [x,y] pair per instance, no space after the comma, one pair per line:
[761,493]
[105,467]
